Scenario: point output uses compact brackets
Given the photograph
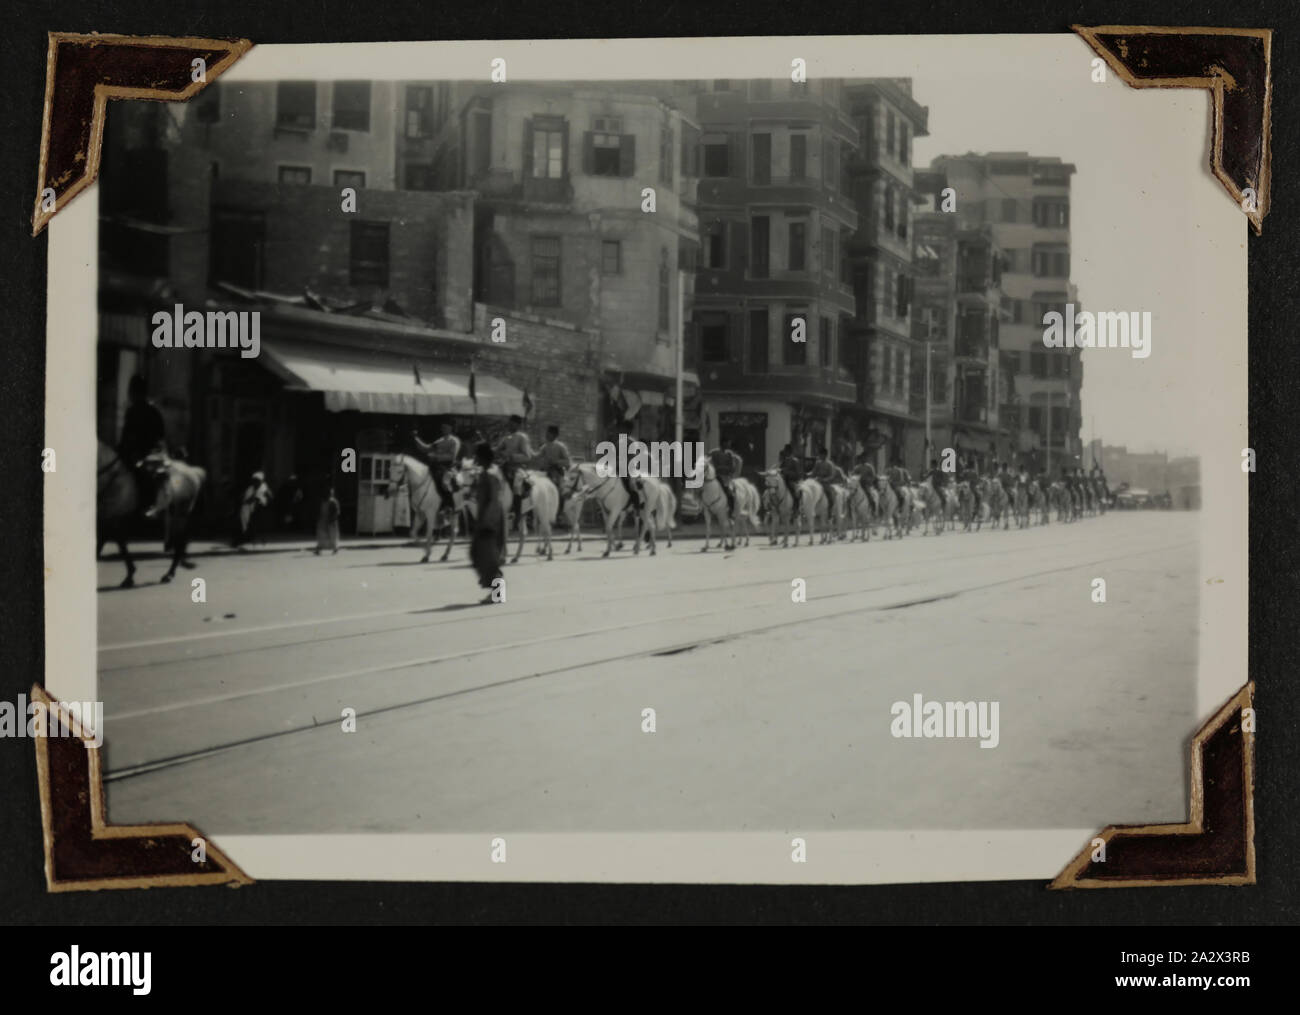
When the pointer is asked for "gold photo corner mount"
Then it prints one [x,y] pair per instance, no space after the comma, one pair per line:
[82,72]
[1235,65]
[83,852]
[1215,846]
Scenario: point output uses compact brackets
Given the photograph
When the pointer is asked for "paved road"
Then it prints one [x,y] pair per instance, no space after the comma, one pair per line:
[770,714]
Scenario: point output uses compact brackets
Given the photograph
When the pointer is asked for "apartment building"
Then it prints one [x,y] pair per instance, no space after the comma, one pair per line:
[1025,200]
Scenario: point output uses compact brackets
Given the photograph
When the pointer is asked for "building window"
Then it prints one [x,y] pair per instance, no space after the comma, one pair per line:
[351,105]
[237,247]
[828,250]
[608,148]
[369,254]
[824,341]
[830,165]
[762,158]
[663,289]
[548,148]
[1036,418]
[886,365]
[794,354]
[714,338]
[902,295]
[419,176]
[350,178]
[798,156]
[1051,263]
[848,347]
[717,158]
[904,144]
[760,246]
[546,271]
[1060,420]
[1051,213]
[889,132]
[715,245]
[1038,364]
[294,174]
[758,340]
[889,208]
[480,143]
[798,239]
[1011,361]
[1008,209]
[900,373]
[295,104]
[611,257]
[666,154]
[419,111]
[902,215]
[722,85]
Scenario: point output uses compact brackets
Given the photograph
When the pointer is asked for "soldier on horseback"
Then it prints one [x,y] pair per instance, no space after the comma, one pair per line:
[442,455]
[515,451]
[824,471]
[143,433]
[899,479]
[553,459]
[726,466]
[791,470]
[970,476]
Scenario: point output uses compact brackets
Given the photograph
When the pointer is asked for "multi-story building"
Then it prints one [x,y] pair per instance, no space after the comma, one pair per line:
[772,288]
[1026,201]
[284,199]
[956,316]
[583,216]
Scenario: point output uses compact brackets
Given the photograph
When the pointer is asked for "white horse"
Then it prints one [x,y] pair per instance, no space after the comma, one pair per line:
[427,501]
[609,493]
[660,512]
[860,509]
[537,494]
[575,496]
[747,505]
[812,505]
[713,504]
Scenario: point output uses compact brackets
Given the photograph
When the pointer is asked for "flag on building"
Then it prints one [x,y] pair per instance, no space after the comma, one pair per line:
[415,369]
[473,390]
[528,403]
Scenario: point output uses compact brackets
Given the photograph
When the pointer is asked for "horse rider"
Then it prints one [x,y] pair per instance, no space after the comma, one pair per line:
[1099,482]
[866,473]
[143,433]
[899,479]
[970,476]
[442,454]
[726,466]
[553,460]
[824,472]
[791,470]
[1008,480]
[515,451]
[938,478]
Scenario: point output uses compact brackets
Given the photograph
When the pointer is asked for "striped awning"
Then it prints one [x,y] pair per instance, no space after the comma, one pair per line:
[382,382]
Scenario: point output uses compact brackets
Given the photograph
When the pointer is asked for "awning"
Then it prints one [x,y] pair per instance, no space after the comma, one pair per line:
[382,382]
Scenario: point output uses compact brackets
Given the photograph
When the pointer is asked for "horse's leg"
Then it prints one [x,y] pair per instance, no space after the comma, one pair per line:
[129,580]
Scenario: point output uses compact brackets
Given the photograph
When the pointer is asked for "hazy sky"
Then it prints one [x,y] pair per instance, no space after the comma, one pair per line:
[1141,163]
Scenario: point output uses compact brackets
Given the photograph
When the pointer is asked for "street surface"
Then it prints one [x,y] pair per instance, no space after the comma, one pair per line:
[770,714]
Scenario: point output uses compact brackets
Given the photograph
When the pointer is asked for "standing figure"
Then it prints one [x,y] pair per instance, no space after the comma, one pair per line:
[488,545]
[327,524]
[257,496]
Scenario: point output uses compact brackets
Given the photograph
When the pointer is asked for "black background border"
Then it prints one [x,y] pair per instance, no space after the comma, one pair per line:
[1274,517]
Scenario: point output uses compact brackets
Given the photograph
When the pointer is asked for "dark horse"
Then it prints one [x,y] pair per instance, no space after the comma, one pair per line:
[118,501]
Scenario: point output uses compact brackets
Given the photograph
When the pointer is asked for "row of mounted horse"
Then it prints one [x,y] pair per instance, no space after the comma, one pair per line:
[850,511]
[119,499]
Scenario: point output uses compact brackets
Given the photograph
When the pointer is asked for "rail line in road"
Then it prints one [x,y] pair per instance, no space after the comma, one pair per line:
[809,613]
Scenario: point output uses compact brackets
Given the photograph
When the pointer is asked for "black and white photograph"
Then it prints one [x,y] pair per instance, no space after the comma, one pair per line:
[488,456]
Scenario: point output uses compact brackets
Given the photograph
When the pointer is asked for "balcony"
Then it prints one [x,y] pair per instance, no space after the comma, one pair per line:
[731,192]
[824,383]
